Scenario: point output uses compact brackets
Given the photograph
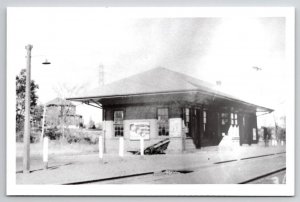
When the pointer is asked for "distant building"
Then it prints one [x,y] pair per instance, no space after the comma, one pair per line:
[62,113]
[161,103]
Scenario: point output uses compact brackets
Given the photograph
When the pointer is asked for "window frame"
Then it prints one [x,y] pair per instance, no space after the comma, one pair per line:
[165,126]
[204,118]
[121,124]
[225,118]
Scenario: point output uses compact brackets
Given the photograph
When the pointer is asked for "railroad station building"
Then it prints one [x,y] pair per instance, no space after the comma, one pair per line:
[161,103]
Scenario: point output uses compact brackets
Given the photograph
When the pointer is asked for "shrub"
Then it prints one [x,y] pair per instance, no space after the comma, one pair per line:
[53,133]
[82,136]
[72,135]
[34,135]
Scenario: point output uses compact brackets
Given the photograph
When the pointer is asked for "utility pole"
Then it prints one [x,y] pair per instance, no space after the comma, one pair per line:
[26,137]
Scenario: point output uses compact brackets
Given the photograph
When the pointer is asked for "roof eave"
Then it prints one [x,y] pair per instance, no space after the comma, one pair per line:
[88,98]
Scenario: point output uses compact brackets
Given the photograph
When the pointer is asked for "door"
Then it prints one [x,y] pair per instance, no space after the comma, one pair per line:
[196,126]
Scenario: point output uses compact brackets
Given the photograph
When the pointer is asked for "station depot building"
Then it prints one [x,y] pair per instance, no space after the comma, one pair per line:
[160,103]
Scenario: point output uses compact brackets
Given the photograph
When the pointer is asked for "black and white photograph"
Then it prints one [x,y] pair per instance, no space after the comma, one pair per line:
[150,101]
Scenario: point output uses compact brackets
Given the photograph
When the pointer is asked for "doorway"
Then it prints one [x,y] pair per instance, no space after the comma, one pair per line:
[196,126]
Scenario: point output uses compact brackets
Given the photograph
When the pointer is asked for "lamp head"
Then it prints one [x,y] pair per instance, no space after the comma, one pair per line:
[46,62]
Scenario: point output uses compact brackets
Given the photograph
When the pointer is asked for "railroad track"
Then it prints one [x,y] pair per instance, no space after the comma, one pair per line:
[168,172]
[264,176]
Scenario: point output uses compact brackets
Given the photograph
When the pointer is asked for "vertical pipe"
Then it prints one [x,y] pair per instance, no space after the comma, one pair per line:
[26,138]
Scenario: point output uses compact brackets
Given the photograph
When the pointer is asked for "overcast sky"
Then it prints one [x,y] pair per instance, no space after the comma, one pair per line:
[210,49]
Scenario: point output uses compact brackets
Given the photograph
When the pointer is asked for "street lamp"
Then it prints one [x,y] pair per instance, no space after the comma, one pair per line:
[26,138]
[46,62]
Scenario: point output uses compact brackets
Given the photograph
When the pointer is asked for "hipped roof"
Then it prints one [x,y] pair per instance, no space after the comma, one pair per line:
[155,81]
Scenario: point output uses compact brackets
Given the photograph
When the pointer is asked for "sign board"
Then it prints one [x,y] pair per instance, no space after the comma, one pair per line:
[138,130]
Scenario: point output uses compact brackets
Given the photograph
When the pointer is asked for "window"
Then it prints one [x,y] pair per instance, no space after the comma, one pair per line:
[224,118]
[187,115]
[186,118]
[163,121]
[118,123]
[234,119]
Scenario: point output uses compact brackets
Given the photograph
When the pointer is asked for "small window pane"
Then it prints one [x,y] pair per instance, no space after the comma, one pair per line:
[224,118]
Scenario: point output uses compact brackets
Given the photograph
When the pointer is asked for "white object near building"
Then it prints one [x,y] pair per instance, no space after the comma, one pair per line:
[142,146]
[121,146]
[45,151]
[101,147]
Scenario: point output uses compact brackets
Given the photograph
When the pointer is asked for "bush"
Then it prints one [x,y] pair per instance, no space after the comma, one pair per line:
[82,136]
[72,135]
[53,133]
[34,135]
[19,136]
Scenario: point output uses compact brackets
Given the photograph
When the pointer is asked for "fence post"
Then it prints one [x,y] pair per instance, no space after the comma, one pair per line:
[142,146]
[121,146]
[45,151]
[100,147]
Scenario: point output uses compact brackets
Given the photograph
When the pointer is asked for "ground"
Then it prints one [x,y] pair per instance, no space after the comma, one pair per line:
[208,165]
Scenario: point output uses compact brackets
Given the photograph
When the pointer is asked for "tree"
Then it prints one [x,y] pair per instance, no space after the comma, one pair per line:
[20,100]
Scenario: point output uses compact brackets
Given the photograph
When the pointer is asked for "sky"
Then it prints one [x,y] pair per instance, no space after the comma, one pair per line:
[212,49]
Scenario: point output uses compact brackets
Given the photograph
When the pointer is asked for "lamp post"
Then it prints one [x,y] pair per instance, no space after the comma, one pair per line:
[26,138]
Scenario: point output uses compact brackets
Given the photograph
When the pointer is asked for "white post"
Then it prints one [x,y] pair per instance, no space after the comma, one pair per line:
[142,146]
[121,146]
[100,147]
[45,152]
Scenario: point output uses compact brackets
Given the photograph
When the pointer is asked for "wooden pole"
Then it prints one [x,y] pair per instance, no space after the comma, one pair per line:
[26,138]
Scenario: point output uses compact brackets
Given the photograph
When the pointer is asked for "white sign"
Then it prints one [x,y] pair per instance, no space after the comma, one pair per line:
[139,130]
